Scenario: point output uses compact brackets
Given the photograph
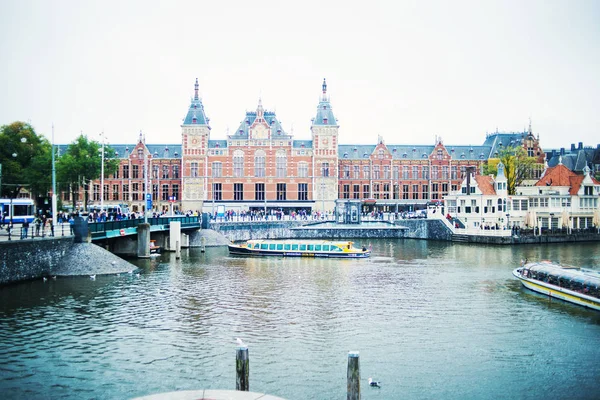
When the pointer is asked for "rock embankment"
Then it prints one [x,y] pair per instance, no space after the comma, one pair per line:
[89,259]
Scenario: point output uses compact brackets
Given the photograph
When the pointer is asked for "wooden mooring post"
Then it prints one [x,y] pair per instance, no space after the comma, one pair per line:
[353,375]
[242,368]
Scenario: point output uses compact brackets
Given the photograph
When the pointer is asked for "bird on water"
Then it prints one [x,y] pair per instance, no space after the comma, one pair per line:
[93,277]
[374,383]
[240,342]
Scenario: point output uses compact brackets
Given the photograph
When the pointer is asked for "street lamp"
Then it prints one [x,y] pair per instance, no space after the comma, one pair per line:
[102,176]
[54,203]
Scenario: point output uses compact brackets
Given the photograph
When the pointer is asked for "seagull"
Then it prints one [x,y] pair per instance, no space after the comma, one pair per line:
[93,277]
[44,278]
[53,277]
[240,342]
[113,263]
[374,383]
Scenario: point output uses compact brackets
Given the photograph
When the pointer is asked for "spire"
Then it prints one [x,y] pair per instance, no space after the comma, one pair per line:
[259,109]
[195,114]
[140,139]
[324,90]
[196,90]
[324,114]
[530,126]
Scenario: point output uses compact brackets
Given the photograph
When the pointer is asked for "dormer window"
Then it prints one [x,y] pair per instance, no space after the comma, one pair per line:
[324,106]
[325,120]
[345,155]
[404,155]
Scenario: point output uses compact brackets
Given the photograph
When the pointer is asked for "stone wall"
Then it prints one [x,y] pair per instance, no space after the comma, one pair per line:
[29,259]
[429,229]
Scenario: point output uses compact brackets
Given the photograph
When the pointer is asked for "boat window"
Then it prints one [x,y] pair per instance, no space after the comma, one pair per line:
[311,247]
[286,246]
[302,247]
[294,247]
[335,248]
[272,246]
[264,246]
[257,246]
[318,247]
[279,246]
[325,247]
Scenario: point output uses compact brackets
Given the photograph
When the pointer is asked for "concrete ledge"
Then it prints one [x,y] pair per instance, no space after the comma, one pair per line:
[209,394]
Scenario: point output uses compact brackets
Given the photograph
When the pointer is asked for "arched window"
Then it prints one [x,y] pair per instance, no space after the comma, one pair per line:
[238,163]
[259,164]
[281,163]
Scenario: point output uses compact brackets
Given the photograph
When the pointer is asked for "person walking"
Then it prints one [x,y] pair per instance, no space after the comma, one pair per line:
[24,229]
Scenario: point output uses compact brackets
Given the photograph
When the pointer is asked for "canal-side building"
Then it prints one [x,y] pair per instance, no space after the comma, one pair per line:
[561,198]
[261,166]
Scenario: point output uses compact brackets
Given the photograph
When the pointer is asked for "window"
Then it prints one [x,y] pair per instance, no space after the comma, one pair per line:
[396,172]
[405,172]
[366,172]
[126,171]
[396,192]
[165,192]
[175,188]
[135,172]
[303,191]
[365,191]
[386,172]
[445,172]
[435,172]
[281,164]
[140,153]
[454,172]
[165,171]
[194,169]
[440,155]
[404,192]
[356,172]
[356,191]
[425,172]
[135,189]
[325,169]
[415,192]
[281,193]
[155,172]
[386,191]
[238,164]
[217,191]
[346,172]
[238,191]
[106,192]
[425,189]
[155,192]
[415,172]
[259,164]
[376,172]
[259,191]
[116,174]
[217,169]
[302,169]
[376,190]
[115,192]
[175,171]
[96,194]
[125,192]
[346,192]
[380,154]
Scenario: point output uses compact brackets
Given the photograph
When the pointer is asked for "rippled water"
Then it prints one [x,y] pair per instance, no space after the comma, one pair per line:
[431,320]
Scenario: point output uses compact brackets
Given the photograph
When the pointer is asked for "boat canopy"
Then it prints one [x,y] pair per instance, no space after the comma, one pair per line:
[573,278]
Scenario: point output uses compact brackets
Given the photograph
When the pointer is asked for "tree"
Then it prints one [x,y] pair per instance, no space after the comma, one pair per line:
[26,160]
[517,166]
[82,163]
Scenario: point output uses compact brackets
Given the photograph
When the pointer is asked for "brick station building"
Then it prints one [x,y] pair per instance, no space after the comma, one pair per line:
[262,167]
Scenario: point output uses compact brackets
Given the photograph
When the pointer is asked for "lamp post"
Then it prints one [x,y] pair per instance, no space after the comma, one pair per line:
[102,176]
[54,203]
[551,218]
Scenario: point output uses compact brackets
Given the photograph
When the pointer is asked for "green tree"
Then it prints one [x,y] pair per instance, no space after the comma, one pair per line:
[82,163]
[26,160]
[517,166]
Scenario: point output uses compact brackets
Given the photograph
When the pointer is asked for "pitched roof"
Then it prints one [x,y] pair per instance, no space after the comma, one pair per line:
[324,113]
[559,175]
[485,184]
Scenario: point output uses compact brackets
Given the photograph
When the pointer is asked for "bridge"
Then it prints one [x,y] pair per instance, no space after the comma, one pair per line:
[127,227]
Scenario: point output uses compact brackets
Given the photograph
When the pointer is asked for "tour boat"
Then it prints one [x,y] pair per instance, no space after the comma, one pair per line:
[300,248]
[573,284]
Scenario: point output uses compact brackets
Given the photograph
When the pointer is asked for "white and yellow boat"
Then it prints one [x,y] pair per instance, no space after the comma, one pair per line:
[299,248]
[573,284]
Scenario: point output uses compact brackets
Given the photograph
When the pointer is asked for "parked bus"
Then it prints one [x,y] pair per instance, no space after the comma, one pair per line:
[23,210]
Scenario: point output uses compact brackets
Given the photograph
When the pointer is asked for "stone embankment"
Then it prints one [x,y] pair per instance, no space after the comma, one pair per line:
[33,259]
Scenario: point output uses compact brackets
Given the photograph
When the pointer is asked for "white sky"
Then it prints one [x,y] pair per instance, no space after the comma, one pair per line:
[406,70]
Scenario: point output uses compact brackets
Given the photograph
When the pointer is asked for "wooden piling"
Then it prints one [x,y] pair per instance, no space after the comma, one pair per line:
[203,247]
[353,376]
[177,250]
[242,369]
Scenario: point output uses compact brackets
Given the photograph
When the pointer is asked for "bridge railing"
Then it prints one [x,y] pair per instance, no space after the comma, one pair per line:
[95,227]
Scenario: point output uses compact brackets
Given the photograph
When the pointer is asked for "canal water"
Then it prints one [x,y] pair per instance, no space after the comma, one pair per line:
[431,320]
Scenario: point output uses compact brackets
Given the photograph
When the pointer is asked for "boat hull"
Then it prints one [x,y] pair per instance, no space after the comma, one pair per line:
[243,251]
[558,292]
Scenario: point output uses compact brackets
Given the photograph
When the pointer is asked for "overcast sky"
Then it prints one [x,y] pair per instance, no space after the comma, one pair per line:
[406,70]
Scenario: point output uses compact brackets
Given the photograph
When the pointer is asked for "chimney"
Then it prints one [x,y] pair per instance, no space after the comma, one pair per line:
[580,147]
[572,146]
[553,153]
[562,150]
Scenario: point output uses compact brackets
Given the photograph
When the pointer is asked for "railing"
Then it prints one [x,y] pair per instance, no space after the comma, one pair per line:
[483,232]
[95,227]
